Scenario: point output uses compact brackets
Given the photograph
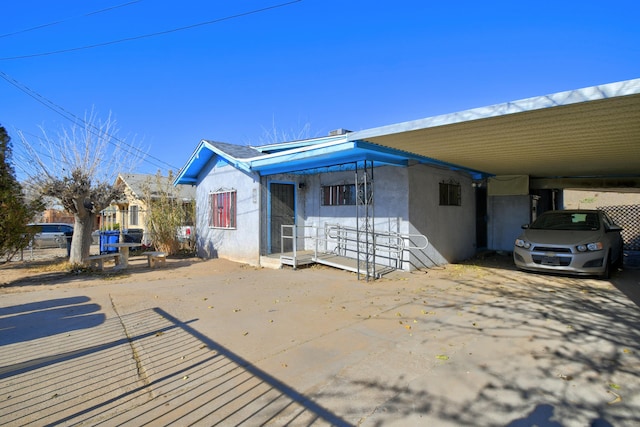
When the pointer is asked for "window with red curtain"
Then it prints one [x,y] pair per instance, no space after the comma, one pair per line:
[223,209]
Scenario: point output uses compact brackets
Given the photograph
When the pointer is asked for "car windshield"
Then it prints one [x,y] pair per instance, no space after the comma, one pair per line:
[567,221]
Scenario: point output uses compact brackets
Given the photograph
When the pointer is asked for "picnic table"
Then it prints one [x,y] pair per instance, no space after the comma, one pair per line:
[123,248]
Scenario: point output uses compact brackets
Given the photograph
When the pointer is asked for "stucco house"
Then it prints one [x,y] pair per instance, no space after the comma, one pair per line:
[348,198]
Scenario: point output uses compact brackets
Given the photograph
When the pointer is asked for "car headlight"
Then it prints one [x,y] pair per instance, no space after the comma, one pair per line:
[523,244]
[595,246]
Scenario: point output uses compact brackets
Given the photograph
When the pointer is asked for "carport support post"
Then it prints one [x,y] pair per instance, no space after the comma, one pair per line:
[368,224]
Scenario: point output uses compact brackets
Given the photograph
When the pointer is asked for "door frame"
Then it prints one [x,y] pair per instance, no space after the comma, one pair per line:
[295,207]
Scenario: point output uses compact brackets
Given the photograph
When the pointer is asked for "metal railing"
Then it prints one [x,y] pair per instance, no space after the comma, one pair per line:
[388,248]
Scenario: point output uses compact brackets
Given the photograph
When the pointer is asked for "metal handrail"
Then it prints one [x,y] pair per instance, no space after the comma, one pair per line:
[347,239]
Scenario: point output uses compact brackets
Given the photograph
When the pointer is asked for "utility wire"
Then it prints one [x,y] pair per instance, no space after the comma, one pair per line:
[77,120]
[51,24]
[159,33]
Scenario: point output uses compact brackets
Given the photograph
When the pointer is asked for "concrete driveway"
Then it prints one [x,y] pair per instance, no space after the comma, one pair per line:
[218,343]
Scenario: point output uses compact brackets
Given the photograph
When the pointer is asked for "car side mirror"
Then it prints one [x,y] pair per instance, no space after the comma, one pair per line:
[525,226]
[615,228]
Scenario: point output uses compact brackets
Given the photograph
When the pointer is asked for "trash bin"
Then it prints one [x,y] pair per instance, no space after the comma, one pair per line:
[107,237]
[133,235]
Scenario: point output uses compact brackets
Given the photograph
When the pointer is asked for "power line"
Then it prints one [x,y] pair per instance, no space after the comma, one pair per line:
[159,33]
[77,120]
[50,24]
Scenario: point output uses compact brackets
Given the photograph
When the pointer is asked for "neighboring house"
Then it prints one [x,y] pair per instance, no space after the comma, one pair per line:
[246,194]
[57,215]
[131,212]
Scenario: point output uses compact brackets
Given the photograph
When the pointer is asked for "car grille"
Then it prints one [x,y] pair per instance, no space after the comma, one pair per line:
[549,249]
[562,261]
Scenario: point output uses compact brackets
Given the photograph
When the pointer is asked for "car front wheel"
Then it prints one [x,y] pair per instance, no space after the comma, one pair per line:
[606,274]
[620,261]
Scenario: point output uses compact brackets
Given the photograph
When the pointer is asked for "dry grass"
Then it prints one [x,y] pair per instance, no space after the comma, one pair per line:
[54,266]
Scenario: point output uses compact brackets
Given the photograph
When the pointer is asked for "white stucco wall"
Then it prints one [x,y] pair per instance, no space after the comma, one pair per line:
[241,244]
[406,201]
[451,230]
[389,209]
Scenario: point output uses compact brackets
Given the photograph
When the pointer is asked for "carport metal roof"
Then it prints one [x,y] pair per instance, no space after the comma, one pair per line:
[590,132]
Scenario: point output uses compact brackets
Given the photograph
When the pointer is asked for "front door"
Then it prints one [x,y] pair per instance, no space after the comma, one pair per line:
[282,213]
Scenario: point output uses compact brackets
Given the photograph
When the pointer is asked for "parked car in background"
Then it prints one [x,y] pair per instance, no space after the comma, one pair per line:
[51,235]
[584,242]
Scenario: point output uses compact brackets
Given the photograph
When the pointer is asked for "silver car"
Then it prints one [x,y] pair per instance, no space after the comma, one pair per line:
[51,235]
[584,242]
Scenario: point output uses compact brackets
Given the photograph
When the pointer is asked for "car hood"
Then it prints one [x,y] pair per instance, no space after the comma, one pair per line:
[561,237]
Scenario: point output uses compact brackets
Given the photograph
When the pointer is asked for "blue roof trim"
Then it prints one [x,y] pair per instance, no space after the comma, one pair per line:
[311,156]
[205,151]
[339,154]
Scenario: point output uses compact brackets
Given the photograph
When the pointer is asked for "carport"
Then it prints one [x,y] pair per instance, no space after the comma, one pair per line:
[580,138]
[533,148]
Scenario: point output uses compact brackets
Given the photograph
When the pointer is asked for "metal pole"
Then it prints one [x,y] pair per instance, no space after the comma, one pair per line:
[357,224]
[366,218]
[373,224]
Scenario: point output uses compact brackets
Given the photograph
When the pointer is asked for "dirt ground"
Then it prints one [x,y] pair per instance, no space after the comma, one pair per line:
[43,267]
[476,343]
[49,267]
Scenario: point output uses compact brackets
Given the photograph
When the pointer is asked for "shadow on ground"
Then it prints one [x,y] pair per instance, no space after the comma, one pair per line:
[183,378]
[517,349]
[35,320]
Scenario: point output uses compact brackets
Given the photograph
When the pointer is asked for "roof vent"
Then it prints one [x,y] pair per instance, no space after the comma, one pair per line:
[340,131]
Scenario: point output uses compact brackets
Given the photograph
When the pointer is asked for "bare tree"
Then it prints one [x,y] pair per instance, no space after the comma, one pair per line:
[275,135]
[79,168]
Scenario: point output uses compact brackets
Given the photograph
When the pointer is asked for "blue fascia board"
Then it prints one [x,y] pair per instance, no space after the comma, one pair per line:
[343,153]
[324,164]
[189,172]
[328,159]
[199,159]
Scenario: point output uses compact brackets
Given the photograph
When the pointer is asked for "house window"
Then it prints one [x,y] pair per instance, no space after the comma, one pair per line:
[450,194]
[223,209]
[339,195]
[133,215]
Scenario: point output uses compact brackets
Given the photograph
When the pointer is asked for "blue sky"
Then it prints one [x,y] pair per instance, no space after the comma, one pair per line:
[323,64]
